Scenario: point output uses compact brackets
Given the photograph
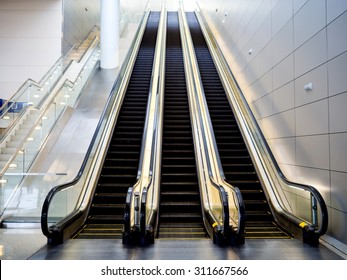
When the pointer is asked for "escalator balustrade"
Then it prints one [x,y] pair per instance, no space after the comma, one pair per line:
[119,172]
[236,161]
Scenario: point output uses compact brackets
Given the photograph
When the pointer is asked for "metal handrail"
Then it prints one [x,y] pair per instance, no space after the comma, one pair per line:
[109,115]
[256,141]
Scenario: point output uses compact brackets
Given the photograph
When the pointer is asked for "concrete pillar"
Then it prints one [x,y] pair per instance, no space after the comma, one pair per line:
[109,33]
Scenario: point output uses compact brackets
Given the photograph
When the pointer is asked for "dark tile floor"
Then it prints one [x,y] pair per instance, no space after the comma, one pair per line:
[184,250]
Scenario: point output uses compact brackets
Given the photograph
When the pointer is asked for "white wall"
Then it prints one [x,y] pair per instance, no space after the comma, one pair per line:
[30,41]
[293,43]
[80,16]
[172,5]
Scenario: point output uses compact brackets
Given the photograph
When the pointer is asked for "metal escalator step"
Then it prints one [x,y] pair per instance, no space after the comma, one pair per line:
[113,184]
[167,196]
[192,226]
[177,104]
[101,231]
[176,119]
[267,235]
[131,134]
[177,139]
[119,149]
[99,235]
[121,162]
[117,176]
[246,184]
[259,215]
[126,139]
[108,219]
[109,205]
[181,204]
[241,176]
[177,167]
[182,230]
[170,144]
[235,159]
[106,209]
[177,127]
[256,204]
[180,216]
[109,196]
[178,135]
[179,186]
[188,159]
[238,167]
[183,235]
[264,229]
[109,170]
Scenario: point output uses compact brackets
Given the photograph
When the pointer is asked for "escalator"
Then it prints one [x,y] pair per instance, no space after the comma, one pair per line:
[236,161]
[119,172]
[180,214]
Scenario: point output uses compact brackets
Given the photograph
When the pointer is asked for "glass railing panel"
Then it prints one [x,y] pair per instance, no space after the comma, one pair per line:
[41,124]
[300,202]
[234,210]
[21,199]
[216,204]
[30,94]
[64,203]
[68,199]
[7,186]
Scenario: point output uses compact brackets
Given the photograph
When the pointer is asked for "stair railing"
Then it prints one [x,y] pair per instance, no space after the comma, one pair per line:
[62,215]
[222,203]
[308,225]
[32,94]
[44,118]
